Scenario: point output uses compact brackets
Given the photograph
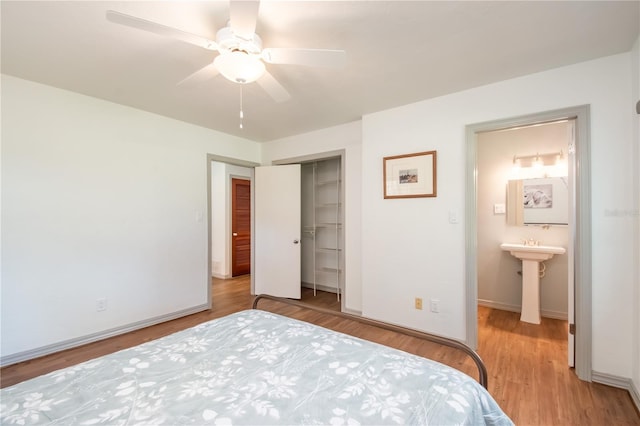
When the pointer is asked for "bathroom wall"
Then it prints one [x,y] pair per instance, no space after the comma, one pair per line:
[499,284]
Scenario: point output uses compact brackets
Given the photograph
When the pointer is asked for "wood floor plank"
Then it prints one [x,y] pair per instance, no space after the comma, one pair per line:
[526,363]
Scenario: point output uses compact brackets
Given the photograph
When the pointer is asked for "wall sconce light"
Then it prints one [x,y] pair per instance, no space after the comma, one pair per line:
[538,160]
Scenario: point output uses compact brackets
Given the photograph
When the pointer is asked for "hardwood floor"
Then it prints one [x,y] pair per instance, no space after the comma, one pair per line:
[530,379]
[527,367]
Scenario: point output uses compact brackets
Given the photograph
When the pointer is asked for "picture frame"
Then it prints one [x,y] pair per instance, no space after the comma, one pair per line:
[410,175]
[545,201]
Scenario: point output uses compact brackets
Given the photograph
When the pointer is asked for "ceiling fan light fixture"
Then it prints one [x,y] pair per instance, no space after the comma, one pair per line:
[239,66]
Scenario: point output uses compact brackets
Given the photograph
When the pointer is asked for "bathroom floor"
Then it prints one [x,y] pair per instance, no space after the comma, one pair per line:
[530,378]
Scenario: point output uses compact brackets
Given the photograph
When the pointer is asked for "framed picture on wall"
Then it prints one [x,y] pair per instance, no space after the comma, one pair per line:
[410,175]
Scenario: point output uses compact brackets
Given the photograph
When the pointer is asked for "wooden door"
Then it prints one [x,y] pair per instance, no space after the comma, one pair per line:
[277,231]
[240,227]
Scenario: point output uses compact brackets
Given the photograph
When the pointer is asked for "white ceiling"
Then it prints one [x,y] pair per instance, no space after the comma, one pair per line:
[398,52]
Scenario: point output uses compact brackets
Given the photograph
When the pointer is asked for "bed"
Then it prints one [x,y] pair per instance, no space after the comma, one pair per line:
[254,367]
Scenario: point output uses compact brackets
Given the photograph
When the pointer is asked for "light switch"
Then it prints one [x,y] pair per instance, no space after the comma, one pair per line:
[453,216]
[499,209]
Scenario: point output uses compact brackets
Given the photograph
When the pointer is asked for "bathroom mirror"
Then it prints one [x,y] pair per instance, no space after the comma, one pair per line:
[538,201]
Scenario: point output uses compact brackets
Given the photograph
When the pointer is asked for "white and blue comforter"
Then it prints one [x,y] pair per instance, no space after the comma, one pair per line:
[257,368]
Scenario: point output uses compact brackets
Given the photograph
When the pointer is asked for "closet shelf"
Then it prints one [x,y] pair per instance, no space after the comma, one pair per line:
[324,223]
[329,249]
[328,182]
[326,269]
[328,225]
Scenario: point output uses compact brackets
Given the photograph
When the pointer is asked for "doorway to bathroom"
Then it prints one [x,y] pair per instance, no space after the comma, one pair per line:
[492,274]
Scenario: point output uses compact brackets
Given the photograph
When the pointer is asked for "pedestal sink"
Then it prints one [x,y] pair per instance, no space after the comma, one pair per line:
[531,256]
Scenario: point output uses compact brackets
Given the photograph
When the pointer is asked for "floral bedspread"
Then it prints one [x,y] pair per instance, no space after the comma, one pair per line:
[258,368]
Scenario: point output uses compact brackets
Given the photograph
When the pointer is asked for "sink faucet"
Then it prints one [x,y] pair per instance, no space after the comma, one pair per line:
[531,242]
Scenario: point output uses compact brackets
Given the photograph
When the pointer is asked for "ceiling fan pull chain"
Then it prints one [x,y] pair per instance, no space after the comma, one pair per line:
[241,112]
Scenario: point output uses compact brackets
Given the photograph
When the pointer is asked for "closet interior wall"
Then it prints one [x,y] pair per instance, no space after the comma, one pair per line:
[322,228]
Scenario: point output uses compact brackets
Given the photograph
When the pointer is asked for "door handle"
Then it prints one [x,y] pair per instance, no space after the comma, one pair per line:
[235,234]
[296,241]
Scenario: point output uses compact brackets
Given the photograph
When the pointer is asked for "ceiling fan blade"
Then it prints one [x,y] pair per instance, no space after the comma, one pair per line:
[203,74]
[273,88]
[243,15]
[163,30]
[309,57]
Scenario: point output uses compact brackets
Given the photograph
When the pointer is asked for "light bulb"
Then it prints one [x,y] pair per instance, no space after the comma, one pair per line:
[538,163]
[516,166]
[239,66]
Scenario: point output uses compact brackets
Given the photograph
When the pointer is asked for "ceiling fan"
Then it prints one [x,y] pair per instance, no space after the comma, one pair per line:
[241,57]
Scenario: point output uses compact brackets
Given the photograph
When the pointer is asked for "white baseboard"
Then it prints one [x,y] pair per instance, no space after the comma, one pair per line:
[635,394]
[499,305]
[72,343]
[618,382]
[220,276]
[352,312]
[517,308]
[611,380]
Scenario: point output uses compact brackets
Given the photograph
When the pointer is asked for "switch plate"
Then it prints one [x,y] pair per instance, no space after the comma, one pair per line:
[435,306]
[453,216]
[499,209]
[101,304]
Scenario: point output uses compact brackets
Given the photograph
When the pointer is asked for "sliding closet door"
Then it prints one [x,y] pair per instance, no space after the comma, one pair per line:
[277,231]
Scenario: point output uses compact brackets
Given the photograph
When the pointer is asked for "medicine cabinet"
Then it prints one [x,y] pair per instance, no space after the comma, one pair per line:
[538,201]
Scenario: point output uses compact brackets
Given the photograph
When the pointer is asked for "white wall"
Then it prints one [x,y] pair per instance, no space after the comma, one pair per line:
[499,284]
[97,197]
[218,220]
[345,137]
[409,247]
[99,201]
[221,193]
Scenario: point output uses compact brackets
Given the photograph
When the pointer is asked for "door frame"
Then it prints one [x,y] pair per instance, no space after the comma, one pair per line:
[235,162]
[323,156]
[580,232]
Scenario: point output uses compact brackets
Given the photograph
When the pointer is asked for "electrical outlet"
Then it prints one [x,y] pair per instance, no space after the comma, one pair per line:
[435,306]
[418,303]
[101,304]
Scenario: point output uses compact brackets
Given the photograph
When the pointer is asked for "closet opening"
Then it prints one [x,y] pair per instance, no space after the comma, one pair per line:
[322,225]
[322,250]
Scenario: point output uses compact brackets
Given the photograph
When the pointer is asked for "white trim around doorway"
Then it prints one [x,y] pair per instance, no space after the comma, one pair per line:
[580,232]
